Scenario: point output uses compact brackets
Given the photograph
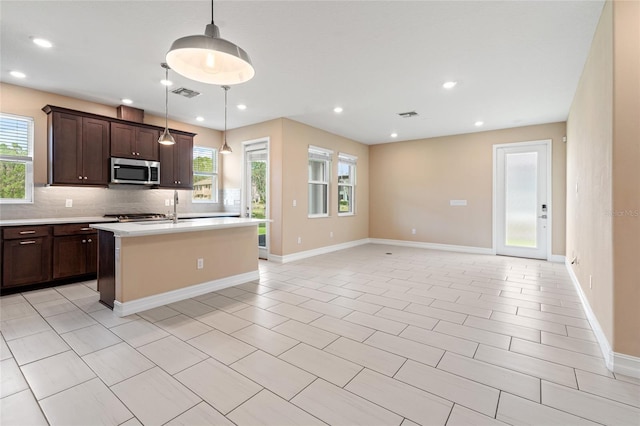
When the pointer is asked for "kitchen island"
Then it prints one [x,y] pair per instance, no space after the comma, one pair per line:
[143,265]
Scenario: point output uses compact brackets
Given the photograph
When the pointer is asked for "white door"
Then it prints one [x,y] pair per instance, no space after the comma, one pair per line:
[522,199]
[256,190]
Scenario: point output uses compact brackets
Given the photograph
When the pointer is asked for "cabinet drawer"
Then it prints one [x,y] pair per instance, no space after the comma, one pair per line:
[17,232]
[73,229]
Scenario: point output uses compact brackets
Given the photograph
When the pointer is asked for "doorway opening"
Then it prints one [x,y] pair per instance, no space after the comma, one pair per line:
[256,189]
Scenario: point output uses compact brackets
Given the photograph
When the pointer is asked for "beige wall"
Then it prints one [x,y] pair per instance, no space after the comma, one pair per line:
[412,183]
[603,159]
[226,252]
[232,166]
[626,176]
[589,150]
[315,232]
[28,102]
[289,143]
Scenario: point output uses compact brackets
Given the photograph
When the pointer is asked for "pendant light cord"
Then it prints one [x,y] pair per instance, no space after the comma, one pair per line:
[166,99]
[212,11]
[226,89]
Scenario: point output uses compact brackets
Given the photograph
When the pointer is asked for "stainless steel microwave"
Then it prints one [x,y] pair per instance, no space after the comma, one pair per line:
[141,172]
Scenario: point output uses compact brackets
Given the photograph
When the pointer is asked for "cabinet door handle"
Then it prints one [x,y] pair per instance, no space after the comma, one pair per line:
[89,240]
[85,177]
[85,229]
[23,243]
[27,232]
[80,177]
[84,241]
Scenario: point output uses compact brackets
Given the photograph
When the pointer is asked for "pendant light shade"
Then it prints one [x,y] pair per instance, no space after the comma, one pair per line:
[166,138]
[225,149]
[210,59]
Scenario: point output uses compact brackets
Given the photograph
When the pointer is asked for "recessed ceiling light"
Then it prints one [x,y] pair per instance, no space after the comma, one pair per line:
[450,84]
[127,101]
[42,42]
[479,123]
[18,74]
[242,106]
[200,118]
[394,135]
[166,82]
[337,110]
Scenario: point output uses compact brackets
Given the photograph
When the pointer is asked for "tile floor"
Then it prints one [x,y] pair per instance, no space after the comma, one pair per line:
[374,335]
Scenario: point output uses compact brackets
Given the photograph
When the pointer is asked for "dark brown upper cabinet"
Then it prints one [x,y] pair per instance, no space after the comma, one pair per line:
[78,149]
[131,141]
[81,144]
[176,163]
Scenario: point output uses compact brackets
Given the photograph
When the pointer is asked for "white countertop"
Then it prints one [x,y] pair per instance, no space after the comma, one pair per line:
[97,219]
[55,220]
[139,229]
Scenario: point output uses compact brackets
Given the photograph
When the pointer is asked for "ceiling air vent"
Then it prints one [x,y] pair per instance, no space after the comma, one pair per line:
[407,114]
[187,93]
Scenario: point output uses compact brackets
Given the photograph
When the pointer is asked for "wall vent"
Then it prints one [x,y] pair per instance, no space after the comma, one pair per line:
[187,93]
[407,114]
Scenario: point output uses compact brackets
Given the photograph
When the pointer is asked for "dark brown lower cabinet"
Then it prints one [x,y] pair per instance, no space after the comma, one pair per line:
[107,266]
[74,255]
[26,261]
[46,254]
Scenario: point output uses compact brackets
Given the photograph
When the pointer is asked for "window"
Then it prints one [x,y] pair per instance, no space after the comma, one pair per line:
[16,159]
[346,184]
[319,176]
[205,174]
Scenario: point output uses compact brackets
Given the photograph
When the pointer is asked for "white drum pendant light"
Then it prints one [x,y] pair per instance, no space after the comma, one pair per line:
[210,59]
[166,138]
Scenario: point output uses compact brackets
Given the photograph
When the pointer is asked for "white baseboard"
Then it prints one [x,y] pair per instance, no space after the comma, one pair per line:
[627,365]
[123,309]
[557,258]
[616,362]
[315,252]
[433,246]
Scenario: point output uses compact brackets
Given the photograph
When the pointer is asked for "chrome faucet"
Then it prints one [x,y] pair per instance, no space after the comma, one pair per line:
[175,206]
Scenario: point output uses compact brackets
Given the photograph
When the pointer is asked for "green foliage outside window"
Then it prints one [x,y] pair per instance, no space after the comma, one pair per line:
[12,177]
[16,141]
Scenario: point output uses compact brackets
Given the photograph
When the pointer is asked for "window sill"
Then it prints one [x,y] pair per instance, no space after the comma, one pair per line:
[346,214]
[318,216]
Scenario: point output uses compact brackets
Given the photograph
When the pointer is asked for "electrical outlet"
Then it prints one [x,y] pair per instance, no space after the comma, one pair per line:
[331,234]
[200,263]
[171,202]
[299,240]
[167,202]
[68,202]
[413,231]
[295,203]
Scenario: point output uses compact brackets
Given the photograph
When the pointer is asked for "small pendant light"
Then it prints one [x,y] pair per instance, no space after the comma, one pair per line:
[166,138]
[210,59]
[225,149]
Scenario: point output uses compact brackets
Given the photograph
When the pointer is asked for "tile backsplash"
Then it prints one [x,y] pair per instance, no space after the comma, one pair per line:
[49,202]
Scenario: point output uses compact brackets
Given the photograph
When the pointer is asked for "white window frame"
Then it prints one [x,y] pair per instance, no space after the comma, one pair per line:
[352,161]
[213,175]
[27,160]
[322,155]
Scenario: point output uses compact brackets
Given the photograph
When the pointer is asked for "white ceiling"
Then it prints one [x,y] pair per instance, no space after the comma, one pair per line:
[516,62]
